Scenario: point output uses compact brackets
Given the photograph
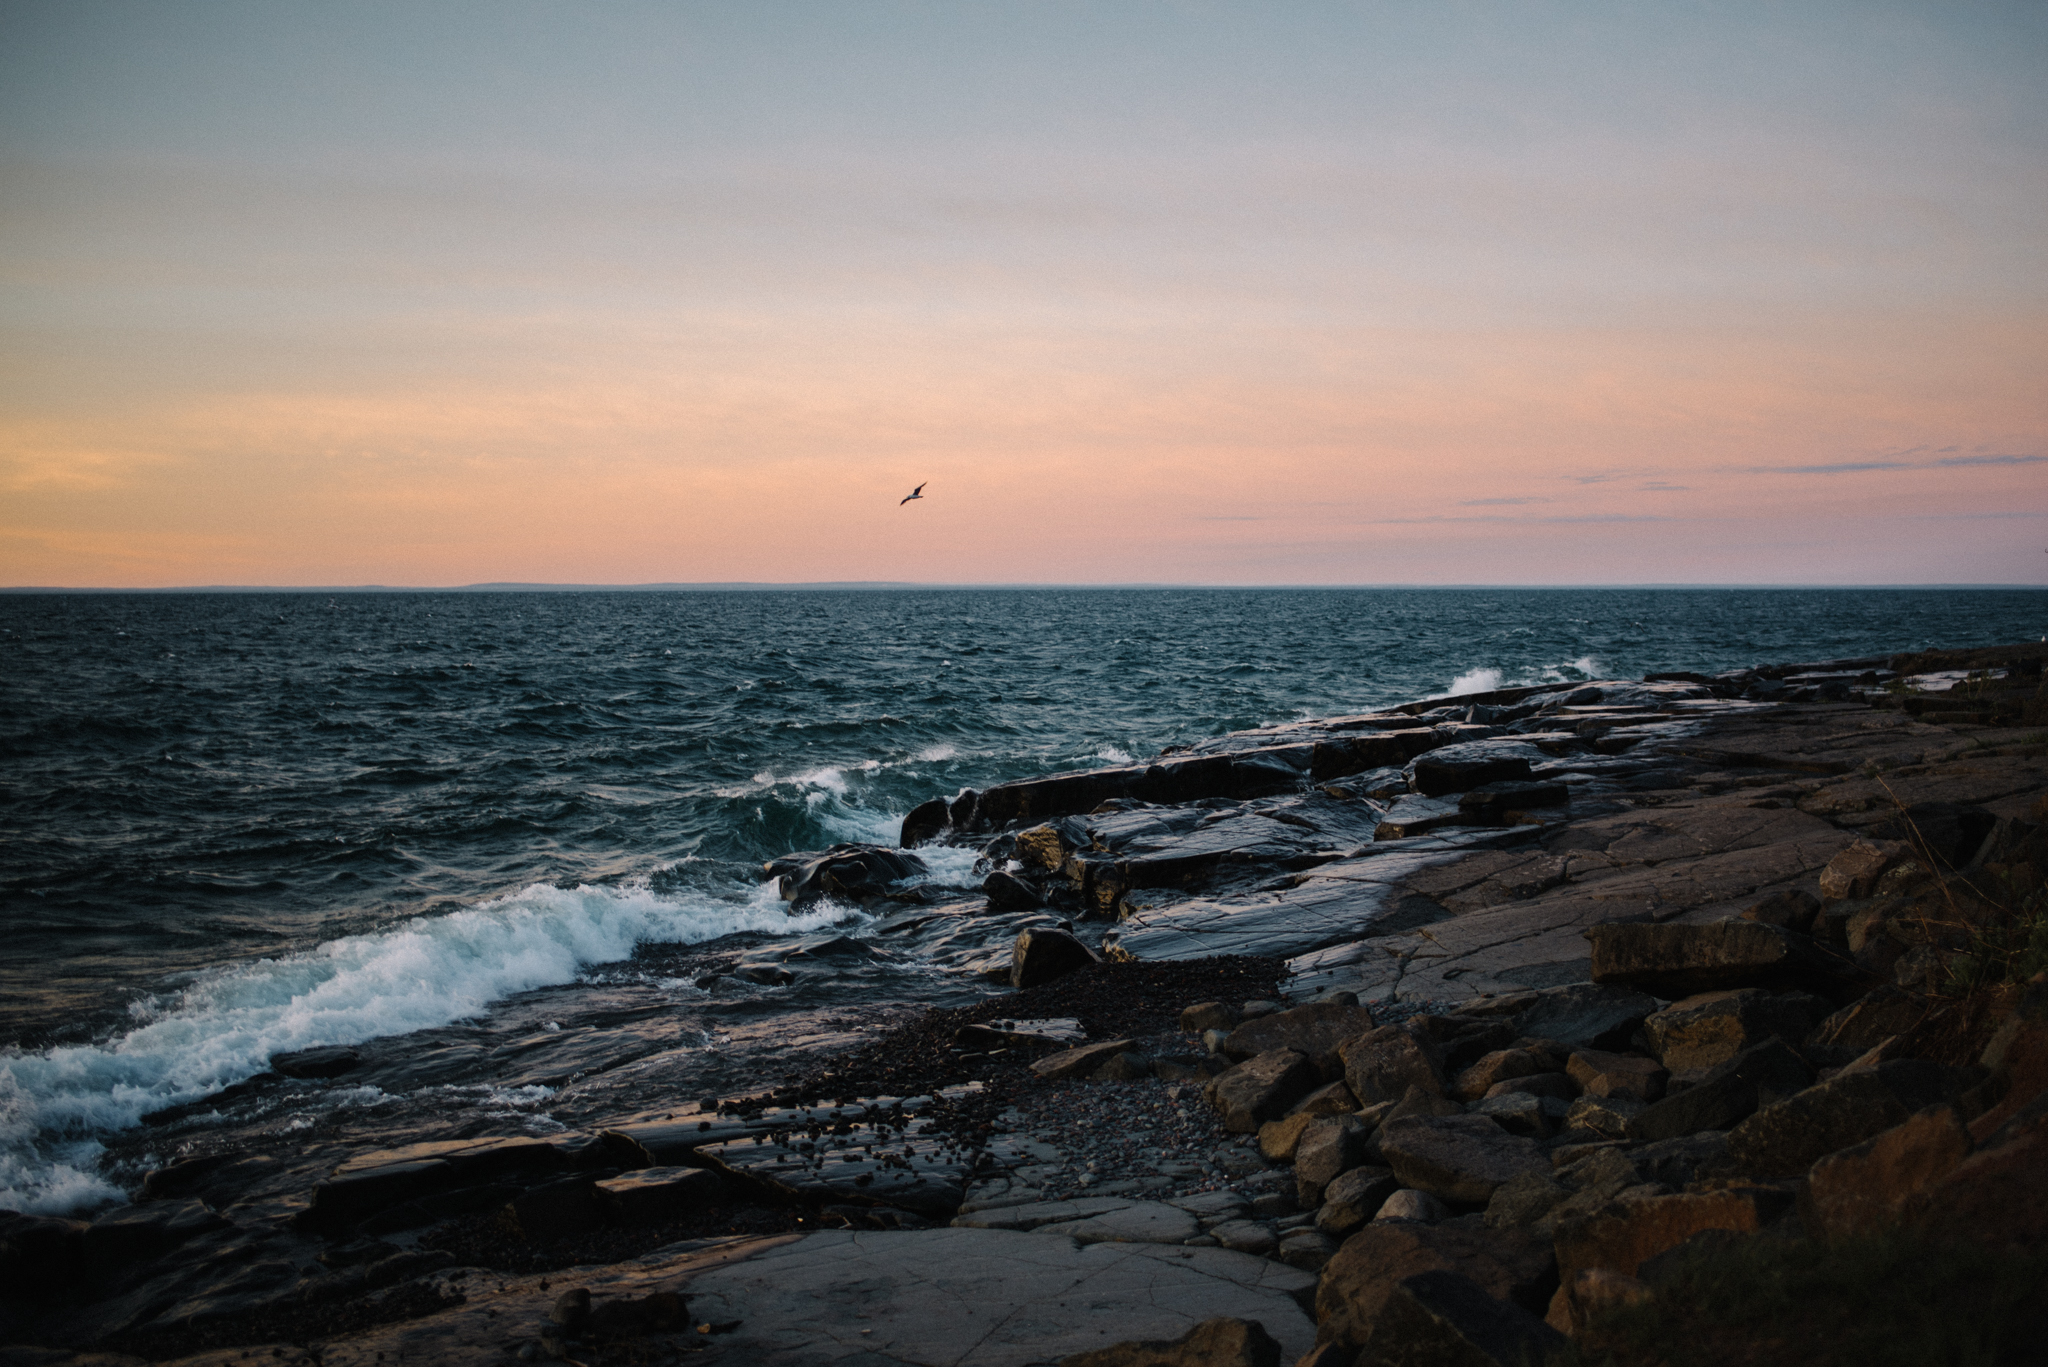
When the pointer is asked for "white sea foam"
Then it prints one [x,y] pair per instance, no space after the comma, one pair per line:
[1479,680]
[224,1026]
[1114,754]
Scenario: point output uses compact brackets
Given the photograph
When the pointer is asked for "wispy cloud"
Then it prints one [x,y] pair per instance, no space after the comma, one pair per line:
[1854,467]
[1664,488]
[1526,521]
[1850,467]
[1499,502]
[1972,517]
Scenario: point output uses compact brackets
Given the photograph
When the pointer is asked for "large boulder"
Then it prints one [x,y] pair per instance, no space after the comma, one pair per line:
[1353,1198]
[1728,1094]
[1710,1028]
[1260,1089]
[1081,1061]
[1630,1076]
[1462,1158]
[1438,1318]
[1384,1063]
[1329,1148]
[1784,1139]
[1854,872]
[1865,1023]
[1317,1030]
[1677,960]
[1862,1190]
[1041,954]
[1622,1234]
[1459,769]
[1356,1285]
[1996,1195]
[925,822]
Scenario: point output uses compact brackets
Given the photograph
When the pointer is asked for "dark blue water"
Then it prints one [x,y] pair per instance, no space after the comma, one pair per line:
[235,823]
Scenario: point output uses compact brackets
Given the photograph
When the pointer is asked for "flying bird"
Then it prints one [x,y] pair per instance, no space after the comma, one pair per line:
[918,492]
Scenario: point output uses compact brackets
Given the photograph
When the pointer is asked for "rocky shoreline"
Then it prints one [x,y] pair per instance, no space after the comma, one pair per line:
[1461,1031]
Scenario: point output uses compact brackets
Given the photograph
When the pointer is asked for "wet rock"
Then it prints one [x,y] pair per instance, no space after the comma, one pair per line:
[1442,1317]
[1261,1088]
[1204,1016]
[1625,1232]
[1725,1095]
[1862,1190]
[1040,955]
[1785,1138]
[1410,1204]
[1677,960]
[1219,1342]
[1462,1158]
[1498,1066]
[1710,1028]
[1854,872]
[132,1233]
[1627,1076]
[315,1063]
[349,1197]
[1353,1198]
[1330,1146]
[1008,892]
[655,1194]
[848,871]
[1383,1064]
[926,821]
[1317,1030]
[1078,1062]
[40,1254]
[1355,1286]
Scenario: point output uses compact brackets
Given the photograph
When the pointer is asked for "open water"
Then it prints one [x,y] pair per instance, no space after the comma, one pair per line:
[503,829]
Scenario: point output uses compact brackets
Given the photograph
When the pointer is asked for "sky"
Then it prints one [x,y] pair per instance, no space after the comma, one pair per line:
[437,293]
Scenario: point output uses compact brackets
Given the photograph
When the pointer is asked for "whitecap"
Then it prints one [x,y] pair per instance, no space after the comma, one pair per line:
[1481,679]
[429,972]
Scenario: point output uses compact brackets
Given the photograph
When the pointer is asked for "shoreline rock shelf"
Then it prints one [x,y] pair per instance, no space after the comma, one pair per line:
[1569,983]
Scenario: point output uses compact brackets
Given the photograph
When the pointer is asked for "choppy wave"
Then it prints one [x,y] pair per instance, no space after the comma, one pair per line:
[429,972]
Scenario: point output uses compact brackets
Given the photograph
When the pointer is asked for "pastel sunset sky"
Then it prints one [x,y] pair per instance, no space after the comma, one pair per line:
[436,293]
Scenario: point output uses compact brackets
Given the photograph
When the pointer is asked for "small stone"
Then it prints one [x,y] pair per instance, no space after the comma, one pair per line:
[1609,1117]
[1306,1248]
[1518,1113]
[1124,1066]
[1410,1204]
[571,1309]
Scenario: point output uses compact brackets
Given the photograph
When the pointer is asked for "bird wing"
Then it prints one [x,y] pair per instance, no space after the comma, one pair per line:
[918,492]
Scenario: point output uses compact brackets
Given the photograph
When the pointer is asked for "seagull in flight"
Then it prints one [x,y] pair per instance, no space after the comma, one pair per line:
[918,492]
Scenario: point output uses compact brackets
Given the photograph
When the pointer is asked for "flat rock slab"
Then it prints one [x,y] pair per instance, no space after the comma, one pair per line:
[924,1298]
[1144,1222]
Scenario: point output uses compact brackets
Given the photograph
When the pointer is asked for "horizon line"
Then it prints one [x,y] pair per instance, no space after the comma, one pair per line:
[885,585]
